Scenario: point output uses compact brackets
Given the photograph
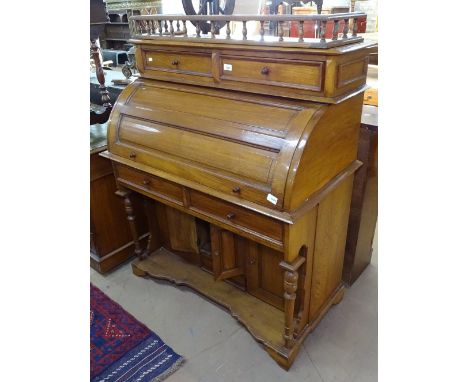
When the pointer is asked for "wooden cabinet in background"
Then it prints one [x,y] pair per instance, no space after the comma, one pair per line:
[363,215]
[111,239]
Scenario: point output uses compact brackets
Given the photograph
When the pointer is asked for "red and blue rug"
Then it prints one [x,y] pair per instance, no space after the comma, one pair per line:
[123,349]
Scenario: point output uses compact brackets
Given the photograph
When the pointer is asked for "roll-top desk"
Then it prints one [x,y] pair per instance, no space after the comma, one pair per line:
[245,149]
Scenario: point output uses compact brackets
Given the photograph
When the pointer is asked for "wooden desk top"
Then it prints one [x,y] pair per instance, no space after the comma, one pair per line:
[370,116]
[98,137]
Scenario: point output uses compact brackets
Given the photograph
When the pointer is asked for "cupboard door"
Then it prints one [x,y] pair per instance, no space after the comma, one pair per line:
[264,276]
[178,222]
[228,259]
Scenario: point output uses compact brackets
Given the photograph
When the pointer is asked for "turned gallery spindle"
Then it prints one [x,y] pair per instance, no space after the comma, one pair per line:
[213,30]
[166,31]
[262,30]
[184,28]
[335,29]
[198,28]
[244,30]
[346,28]
[281,31]
[355,27]
[228,30]
[323,30]
[160,27]
[171,28]
[178,25]
[301,31]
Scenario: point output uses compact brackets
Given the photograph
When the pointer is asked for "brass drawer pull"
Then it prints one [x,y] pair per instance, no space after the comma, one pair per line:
[146,182]
[175,62]
[132,155]
[266,70]
[236,190]
[231,216]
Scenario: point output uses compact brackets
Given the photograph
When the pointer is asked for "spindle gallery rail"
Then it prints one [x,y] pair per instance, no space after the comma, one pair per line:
[175,26]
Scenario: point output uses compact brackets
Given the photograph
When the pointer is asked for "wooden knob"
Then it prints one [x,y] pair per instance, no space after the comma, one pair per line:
[132,155]
[230,216]
[252,261]
[266,70]
[236,190]
[175,62]
[146,182]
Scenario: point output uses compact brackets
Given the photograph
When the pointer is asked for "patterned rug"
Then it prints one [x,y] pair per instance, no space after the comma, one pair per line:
[123,349]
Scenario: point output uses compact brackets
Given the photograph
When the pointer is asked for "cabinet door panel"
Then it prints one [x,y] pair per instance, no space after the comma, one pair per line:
[227,254]
[264,275]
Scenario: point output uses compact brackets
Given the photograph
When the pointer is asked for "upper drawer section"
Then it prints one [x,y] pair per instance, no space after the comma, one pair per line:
[296,75]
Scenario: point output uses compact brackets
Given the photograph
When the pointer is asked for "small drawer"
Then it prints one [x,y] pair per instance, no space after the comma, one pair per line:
[286,73]
[150,183]
[235,215]
[178,62]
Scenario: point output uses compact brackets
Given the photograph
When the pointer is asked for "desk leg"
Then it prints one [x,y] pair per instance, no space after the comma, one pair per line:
[291,277]
[290,287]
[131,220]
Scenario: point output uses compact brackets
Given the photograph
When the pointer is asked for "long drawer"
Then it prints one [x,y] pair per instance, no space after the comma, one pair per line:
[285,73]
[235,215]
[178,62]
[150,183]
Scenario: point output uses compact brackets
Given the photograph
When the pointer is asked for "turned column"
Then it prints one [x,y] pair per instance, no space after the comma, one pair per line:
[96,53]
[291,277]
[131,220]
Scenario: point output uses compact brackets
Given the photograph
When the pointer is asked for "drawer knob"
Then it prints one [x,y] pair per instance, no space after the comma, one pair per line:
[175,62]
[236,190]
[146,182]
[266,70]
[132,155]
[230,216]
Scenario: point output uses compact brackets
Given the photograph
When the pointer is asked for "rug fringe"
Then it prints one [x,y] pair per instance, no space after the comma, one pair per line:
[169,371]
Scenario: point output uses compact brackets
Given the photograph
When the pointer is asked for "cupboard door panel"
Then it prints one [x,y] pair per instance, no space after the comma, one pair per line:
[178,222]
[264,275]
[227,259]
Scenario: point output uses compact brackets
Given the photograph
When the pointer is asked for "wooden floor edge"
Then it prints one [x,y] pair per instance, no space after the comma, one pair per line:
[282,355]
[138,271]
